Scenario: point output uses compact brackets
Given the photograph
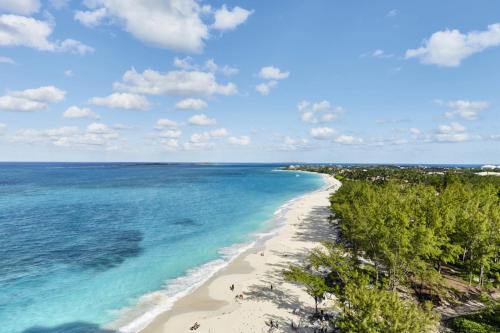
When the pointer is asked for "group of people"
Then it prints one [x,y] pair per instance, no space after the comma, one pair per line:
[195,326]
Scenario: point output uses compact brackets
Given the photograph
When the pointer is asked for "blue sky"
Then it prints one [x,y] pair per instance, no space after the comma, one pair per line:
[250,81]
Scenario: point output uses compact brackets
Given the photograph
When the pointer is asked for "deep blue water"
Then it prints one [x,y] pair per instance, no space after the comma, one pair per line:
[78,242]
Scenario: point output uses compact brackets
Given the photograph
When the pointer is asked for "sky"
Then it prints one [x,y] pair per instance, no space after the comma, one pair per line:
[250,81]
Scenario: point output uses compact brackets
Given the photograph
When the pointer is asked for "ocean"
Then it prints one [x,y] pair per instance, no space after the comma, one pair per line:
[85,245]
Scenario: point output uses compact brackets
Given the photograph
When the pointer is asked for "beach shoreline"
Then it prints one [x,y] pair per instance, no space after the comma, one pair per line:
[252,272]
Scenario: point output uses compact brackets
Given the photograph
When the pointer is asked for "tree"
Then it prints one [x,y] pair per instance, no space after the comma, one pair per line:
[370,310]
[315,284]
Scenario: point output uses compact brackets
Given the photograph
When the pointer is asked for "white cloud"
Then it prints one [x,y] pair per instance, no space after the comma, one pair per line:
[288,143]
[229,71]
[166,123]
[201,120]
[191,104]
[392,13]
[184,63]
[170,144]
[322,133]
[3,128]
[58,4]
[91,18]
[239,141]
[465,109]
[265,87]
[96,135]
[319,112]
[415,131]
[178,83]
[69,73]
[273,73]
[200,137]
[98,128]
[170,134]
[7,60]
[211,66]
[29,32]
[348,140]
[381,54]
[31,99]
[453,132]
[23,7]
[49,94]
[122,101]
[11,103]
[77,112]
[450,47]
[219,133]
[229,19]
[171,24]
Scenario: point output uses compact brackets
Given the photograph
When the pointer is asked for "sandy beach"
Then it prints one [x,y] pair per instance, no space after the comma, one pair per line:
[215,307]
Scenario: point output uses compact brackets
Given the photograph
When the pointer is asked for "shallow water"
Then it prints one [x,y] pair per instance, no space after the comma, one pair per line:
[81,242]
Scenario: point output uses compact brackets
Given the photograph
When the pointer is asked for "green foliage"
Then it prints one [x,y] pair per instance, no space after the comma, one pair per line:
[408,223]
[485,321]
[372,310]
[411,230]
[462,325]
[315,284]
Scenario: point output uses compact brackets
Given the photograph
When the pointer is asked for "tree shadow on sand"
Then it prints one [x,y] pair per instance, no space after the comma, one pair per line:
[315,226]
[76,327]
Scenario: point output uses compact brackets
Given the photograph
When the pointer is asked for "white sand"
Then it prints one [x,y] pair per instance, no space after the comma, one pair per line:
[214,306]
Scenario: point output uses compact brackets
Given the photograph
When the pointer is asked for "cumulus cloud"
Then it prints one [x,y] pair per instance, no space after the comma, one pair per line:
[91,18]
[322,133]
[227,19]
[172,24]
[185,63]
[26,31]
[288,143]
[265,87]
[23,7]
[348,140]
[453,132]
[166,123]
[122,101]
[465,109]
[177,83]
[219,133]
[273,73]
[229,70]
[191,104]
[31,99]
[201,120]
[78,112]
[170,134]
[318,112]
[239,140]
[95,135]
[6,60]
[449,48]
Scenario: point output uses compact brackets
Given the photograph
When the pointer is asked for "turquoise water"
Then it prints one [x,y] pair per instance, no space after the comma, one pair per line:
[81,242]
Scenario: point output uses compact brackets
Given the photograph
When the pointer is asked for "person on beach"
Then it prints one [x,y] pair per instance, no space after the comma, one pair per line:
[231,287]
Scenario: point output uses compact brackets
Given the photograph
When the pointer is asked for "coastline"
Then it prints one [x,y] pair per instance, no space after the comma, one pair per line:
[252,271]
